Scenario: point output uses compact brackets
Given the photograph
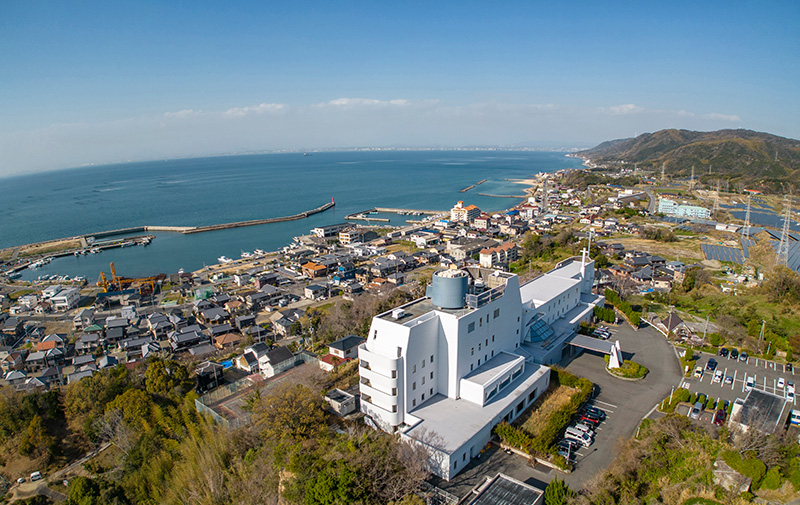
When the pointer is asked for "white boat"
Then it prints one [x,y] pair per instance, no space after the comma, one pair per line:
[94,250]
[246,254]
[181,271]
[224,259]
[259,252]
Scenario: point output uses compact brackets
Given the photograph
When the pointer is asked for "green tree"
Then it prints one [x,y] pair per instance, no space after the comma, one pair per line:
[334,485]
[162,377]
[35,439]
[556,493]
[291,412]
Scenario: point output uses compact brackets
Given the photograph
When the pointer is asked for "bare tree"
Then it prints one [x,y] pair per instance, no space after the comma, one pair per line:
[114,430]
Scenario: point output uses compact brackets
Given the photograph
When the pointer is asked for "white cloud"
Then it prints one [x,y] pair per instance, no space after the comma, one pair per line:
[255,109]
[182,113]
[627,108]
[733,118]
[367,102]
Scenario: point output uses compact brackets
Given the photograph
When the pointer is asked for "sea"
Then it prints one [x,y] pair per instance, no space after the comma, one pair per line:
[221,189]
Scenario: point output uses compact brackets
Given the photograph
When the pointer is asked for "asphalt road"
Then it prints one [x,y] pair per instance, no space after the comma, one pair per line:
[765,374]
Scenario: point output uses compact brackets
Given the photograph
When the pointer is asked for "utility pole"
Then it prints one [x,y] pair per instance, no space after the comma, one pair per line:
[746,229]
[705,330]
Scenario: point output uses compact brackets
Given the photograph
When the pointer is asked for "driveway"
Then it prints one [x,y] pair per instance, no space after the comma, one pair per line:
[626,402]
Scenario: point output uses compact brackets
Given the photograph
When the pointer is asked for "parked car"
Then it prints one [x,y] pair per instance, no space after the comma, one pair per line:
[592,419]
[781,382]
[723,352]
[711,365]
[734,354]
[719,417]
[717,376]
[696,410]
[725,405]
[698,372]
[728,379]
[749,383]
[743,356]
[789,367]
[589,430]
[588,409]
[582,438]
[574,442]
[20,480]
[36,476]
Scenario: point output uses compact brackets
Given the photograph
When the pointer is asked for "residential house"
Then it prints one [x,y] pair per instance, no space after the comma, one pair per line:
[14,360]
[346,347]
[315,292]
[188,337]
[341,402]
[227,341]
[51,342]
[84,318]
[209,376]
[344,271]
[214,315]
[111,361]
[243,322]
[276,361]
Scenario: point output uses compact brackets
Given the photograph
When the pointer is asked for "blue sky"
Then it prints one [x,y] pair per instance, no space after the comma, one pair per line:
[96,82]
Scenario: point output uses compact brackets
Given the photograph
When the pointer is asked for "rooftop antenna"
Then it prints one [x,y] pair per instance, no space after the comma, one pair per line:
[746,229]
[585,252]
[783,247]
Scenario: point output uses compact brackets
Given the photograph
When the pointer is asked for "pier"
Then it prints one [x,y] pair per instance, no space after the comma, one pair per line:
[365,215]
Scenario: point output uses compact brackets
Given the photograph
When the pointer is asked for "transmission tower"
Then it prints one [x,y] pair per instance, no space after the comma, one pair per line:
[716,200]
[746,229]
[783,248]
[691,181]
[663,166]
[545,199]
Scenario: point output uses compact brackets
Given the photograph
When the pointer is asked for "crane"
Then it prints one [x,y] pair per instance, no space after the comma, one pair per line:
[120,283]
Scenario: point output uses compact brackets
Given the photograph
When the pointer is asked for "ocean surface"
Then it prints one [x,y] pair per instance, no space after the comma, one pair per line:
[203,191]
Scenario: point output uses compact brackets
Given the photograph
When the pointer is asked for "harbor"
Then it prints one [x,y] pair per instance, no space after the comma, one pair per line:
[369,215]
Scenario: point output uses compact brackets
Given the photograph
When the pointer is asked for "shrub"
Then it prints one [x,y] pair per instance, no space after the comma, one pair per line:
[692,398]
[710,403]
[772,480]
[752,467]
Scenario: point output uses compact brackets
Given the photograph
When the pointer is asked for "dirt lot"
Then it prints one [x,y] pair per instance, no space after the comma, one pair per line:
[684,249]
[48,247]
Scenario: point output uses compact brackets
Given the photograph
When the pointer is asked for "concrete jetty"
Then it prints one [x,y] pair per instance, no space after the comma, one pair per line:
[254,222]
[504,196]
[397,211]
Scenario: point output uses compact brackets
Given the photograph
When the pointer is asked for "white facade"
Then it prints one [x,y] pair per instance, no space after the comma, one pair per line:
[66,299]
[444,372]
[672,208]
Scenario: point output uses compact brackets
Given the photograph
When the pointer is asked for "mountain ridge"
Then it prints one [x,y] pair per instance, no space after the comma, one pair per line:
[746,157]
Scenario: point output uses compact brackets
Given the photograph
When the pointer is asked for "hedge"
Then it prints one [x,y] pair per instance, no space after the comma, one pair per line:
[624,307]
[678,396]
[606,314]
[753,468]
[543,443]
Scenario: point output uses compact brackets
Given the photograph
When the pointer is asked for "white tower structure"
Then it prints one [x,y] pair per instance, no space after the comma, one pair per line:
[746,228]
[783,247]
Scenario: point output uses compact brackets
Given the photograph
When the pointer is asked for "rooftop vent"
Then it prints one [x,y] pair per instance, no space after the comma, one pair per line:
[398,313]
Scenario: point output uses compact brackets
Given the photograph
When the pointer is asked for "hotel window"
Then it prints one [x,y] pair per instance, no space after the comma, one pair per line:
[394,391]
[471,327]
[479,362]
[394,408]
[423,363]
[496,313]
[492,353]
[492,338]
[479,346]
[415,366]
[470,367]
[431,391]
[431,375]
[423,379]
[487,341]
[472,352]
[414,386]
[481,321]
[423,397]
[431,358]
[414,402]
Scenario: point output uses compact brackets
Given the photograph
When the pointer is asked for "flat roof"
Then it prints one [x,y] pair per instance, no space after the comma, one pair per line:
[494,367]
[457,421]
[762,410]
[505,490]
[593,344]
[420,307]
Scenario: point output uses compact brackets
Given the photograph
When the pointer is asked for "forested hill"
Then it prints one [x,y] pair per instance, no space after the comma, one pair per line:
[753,158]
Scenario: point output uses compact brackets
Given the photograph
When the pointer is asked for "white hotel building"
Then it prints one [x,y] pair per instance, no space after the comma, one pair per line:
[443,370]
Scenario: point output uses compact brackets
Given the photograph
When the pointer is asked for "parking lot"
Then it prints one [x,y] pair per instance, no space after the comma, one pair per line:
[766,375]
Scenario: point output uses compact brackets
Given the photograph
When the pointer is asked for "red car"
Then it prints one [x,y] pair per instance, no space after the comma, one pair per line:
[591,421]
[719,417]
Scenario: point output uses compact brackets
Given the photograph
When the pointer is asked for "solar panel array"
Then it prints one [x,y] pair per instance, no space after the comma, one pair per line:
[747,243]
[722,253]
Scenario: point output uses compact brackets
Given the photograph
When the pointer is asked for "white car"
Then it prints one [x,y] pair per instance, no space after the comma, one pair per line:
[781,382]
[36,476]
[717,376]
[749,383]
[698,372]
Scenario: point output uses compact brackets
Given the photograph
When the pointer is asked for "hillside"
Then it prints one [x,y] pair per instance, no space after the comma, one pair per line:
[754,159]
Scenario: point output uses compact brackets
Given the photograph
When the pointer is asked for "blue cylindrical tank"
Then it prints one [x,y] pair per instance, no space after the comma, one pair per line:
[449,288]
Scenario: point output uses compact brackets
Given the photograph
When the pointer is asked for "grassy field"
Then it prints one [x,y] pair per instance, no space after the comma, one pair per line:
[537,416]
[49,247]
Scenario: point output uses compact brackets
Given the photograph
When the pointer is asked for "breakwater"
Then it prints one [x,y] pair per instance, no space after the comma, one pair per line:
[472,186]
[255,222]
[503,196]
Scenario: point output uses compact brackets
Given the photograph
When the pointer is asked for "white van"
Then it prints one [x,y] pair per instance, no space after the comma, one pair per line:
[580,436]
[584,428]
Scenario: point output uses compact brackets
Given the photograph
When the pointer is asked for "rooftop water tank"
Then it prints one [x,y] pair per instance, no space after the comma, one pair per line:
[449,288]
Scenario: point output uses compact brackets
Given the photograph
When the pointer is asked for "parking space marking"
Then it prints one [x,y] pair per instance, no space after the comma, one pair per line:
[734,380]
[605,403]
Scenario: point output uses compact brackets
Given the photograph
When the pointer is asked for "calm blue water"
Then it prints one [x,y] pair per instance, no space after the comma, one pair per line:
[203,191]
